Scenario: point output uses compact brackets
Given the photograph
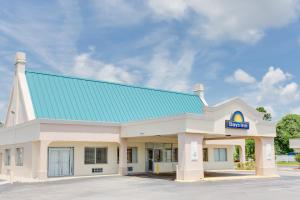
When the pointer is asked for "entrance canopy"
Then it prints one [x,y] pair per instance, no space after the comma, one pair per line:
[233,118]
[212,124]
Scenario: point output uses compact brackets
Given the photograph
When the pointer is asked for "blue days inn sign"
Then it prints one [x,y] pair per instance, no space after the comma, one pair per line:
[237,121]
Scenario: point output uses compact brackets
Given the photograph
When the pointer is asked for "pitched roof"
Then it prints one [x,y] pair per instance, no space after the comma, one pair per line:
[69,98]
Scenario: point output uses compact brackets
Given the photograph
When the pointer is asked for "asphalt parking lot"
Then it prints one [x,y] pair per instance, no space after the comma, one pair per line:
[130,187]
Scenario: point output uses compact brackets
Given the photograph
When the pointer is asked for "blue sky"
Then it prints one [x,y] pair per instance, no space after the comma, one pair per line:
[249,49]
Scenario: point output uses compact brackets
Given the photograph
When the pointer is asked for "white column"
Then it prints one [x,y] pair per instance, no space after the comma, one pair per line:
[265,156]
[242,150]
[43,159]
[190,157]
[123,157]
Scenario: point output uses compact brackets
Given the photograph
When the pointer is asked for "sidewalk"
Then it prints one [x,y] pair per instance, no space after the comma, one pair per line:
[288,168]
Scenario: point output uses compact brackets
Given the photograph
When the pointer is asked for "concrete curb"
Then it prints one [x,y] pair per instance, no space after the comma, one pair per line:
[25,180]
[4,182]
[239,178]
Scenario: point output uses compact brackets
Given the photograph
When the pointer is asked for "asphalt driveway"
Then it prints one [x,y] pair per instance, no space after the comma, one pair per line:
[131,188]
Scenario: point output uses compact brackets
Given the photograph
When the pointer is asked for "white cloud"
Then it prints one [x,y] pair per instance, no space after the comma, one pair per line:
[213,20]
[2,110]
[118,12]
[168,8]
[240,76]
[295,110]
[290,92]
[213,70]
[274,76]
[271,110]
[274,87]
[85,66]
[275,91]
[6,75]
[168,73]
[161,70]
[244,21]
[51,39]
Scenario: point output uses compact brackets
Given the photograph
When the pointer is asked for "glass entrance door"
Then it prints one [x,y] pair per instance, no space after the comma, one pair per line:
[60,162]
[149,160]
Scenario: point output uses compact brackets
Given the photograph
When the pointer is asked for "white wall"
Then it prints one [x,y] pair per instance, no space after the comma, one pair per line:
[140,166]
[170,167]
[30,165]
[214,165]
[20,171]
[22,133]
[81,169]
[211,122]
[76,131]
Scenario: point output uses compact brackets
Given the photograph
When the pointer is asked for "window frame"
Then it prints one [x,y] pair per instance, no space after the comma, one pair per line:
[218,159]
[128,161]
[205,155]
[167,155]
[158,155]
[95,156]
[7,157]
[19,156]
[106,155]
[175,154]
[130,149]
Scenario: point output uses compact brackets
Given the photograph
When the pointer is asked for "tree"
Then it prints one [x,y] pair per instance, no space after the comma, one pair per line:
[267,116]
[250,149]
[236,154]
[1,124]
[297,158]
[288,127]
[250,143]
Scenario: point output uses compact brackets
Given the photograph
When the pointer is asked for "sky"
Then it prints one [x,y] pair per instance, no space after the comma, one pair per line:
[248,49]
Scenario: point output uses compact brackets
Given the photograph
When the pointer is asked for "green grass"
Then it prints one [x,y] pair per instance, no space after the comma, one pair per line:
[281,163]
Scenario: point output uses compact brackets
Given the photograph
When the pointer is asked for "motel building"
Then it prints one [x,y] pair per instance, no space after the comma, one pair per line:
[58,126]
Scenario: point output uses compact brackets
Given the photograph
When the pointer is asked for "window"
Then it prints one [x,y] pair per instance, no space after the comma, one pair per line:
[89,155]
[132,155]
[175,155]
[220,154]
[157,155]
[101,155]
[7,157]
[205,155]
[95,155]
[168,155]
[19,156]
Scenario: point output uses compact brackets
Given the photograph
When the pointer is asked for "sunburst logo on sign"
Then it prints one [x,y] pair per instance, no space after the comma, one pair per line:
[237,117]
[237,120]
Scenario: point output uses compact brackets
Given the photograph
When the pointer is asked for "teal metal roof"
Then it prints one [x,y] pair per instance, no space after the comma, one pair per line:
[69,98]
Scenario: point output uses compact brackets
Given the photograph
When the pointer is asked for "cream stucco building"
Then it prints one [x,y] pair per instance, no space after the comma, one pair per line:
[66,126]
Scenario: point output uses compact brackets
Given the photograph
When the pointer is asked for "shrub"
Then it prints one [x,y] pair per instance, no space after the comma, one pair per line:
[297,158]
[245,166]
